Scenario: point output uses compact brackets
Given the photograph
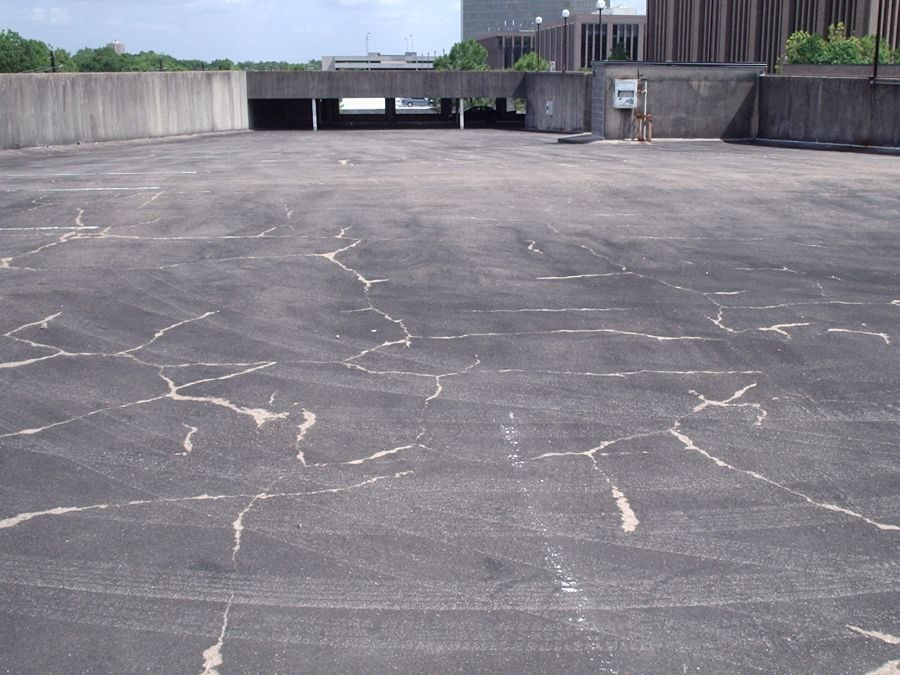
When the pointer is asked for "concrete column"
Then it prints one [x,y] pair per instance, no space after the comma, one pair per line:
[462,113]
[390,110]
[315,115]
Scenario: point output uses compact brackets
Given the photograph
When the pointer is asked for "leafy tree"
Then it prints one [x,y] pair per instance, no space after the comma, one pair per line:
[20,55]
[619,53]
[841,49]
[64,62]
[867,49]
[836,48]
[102,60]
[531,62]
[222,64]
[468,55]
[803,47]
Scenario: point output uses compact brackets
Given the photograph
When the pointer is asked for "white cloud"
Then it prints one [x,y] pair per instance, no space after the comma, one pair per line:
[53,16]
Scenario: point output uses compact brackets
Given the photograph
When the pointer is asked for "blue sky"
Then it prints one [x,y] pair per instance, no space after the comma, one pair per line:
[257,30]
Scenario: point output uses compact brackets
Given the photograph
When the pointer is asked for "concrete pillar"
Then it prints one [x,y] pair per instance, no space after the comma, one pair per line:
[315,115]
[390,111]
[462,113]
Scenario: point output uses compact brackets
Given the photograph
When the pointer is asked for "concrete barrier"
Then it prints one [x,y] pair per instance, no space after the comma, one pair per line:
[557,102]
[839,70]
[568,94]
[385,84]
[686,100]
[64,109]
[844,111]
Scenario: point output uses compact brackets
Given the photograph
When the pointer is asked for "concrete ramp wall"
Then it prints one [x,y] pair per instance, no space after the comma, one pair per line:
[386,84]
[64,109]
[839,110]
[686,100]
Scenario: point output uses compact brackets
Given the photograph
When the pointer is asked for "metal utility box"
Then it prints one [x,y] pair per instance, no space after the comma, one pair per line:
[625,95]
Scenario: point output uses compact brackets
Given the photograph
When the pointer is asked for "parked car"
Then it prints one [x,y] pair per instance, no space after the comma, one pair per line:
[415,102]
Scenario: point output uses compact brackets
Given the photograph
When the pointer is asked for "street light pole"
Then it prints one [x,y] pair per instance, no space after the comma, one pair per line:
[368,66]
[537,46]
[565,16]
[880,22]
[601,5]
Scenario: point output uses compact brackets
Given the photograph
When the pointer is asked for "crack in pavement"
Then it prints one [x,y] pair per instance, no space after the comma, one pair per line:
[18,519]
[677,432]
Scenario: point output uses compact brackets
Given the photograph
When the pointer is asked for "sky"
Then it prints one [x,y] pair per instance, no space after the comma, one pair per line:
[243,30]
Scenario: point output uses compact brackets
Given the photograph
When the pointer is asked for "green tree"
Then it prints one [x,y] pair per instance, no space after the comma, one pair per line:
[102,60]
[839,48]
[222,64]
[64,62]
[803,47]
[468,55]
[20,55]
[867,48]
[531,62]
[619,53]
[836,48]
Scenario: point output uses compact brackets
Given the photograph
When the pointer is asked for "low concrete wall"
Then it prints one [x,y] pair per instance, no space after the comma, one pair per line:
[61,109]
[569,93]
[837,70]
[557,102]
[848,111]
[385,84]
[686,100]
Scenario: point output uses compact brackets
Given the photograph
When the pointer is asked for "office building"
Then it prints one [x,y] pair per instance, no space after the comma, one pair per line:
[622,37]
[754,31]
[482,17]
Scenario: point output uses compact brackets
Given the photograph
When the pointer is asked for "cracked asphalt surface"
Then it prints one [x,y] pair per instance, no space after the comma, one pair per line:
[433,401]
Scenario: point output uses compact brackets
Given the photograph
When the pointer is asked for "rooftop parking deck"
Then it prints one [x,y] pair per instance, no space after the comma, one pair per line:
[441,401]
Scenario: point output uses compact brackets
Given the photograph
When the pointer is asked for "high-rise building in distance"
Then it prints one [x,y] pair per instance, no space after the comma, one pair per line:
[755,30]
[480,17]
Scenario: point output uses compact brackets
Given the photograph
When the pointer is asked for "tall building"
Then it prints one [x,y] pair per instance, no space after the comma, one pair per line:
[481,17]
[117,47]
[621,37]
[755,31]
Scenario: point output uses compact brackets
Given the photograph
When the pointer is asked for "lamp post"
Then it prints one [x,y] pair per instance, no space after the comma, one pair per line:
[880,22]
[368,35]
[538,21]
[565,16]
[601,5]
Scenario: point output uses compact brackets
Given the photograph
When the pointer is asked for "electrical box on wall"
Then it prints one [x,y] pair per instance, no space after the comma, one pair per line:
[625,95]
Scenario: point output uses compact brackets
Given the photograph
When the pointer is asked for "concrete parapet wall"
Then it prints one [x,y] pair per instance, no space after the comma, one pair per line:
[62,109]
[557,102]
[385,84]
[838,70]
[686,100]
[569,93]
[849,111]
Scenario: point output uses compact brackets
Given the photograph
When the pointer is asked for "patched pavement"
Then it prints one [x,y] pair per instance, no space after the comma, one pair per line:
[436,401]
